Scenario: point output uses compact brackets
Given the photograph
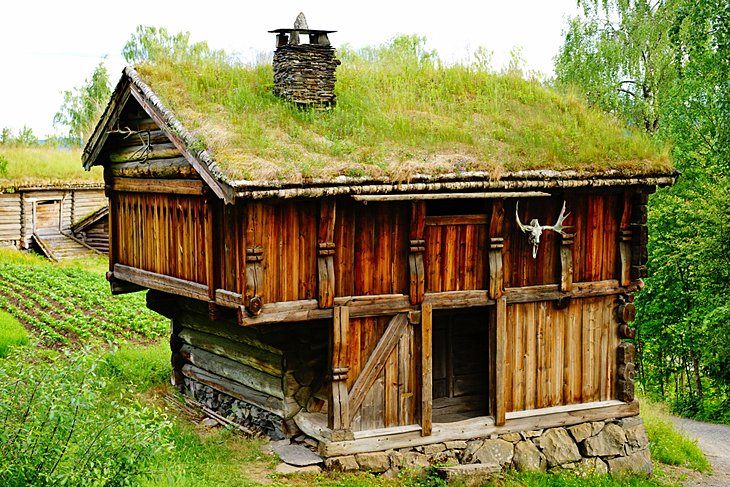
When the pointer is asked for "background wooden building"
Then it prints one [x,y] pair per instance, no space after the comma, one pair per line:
[370,309]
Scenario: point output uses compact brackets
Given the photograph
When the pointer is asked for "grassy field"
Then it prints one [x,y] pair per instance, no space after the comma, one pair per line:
[85,399]
[42,165]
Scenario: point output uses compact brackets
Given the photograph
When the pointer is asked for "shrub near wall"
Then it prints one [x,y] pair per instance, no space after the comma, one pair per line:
[59,426]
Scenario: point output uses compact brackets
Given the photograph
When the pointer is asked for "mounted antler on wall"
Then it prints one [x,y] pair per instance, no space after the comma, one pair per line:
[534,229]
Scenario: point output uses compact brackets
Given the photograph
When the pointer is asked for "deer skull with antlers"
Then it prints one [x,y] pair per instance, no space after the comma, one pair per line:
[534,229]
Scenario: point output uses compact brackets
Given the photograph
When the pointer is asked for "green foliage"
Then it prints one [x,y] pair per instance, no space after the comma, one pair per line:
[83,106]
[570,479]
[399,111]
[4,163]
[60,428]
[154,44]
[665,66]
[141,366]
[68,304]
[12,333]
[668,445]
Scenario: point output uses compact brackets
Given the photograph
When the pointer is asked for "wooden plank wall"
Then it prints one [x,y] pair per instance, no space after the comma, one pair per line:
[160,233]
[10,218]
[594,219]
[371,248]
[391,401]
[555,357]
[455,257]
[97,235]
[82,203]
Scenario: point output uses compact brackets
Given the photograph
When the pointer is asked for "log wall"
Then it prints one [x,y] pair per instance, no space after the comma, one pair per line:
[560,356]
[10,219]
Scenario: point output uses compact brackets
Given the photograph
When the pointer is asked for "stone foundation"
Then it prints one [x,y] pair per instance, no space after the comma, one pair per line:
[241,412]
[613,446]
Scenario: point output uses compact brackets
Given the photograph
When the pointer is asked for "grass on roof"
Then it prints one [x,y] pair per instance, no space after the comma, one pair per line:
[399,112]
[40,165]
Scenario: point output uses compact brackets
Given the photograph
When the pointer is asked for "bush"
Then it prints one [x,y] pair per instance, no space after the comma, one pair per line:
[12,333]
[59,426]
[3,165]
[142,366]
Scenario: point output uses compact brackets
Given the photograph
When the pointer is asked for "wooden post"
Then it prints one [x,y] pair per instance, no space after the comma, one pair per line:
[496,246]
[639,233]
[111,201]
[254,255]
[210,257]
[566,264]
[500,334]
[624,241]
[418,247]
[339,410]
[426,369]
[326,253]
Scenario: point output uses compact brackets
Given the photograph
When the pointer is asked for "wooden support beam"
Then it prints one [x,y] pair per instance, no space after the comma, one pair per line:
[340,405]
[326,253]
[458,299]
[175,168]
[449,196]
[252,299]
[160,282]
[426,369]
[166,186]
[375,363]
[417,249]
[496,248]
[552,292]
[500,339]
[211,267]
[624,240]
[566,263]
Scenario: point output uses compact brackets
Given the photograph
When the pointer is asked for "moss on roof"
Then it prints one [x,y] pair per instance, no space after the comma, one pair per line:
[398,114]
[44,166]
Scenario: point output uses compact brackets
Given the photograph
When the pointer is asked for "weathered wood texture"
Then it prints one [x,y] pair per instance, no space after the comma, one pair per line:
[164,234]
[594,221]
[558,357]
[390,399]
[371,248]
[455,253]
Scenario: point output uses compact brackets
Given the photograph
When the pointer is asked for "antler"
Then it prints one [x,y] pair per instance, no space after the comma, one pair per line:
[558,227]
[524,228]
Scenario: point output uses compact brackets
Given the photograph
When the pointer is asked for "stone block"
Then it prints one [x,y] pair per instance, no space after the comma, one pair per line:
[531,434]
[469,475]
[636,438]
[580,432]
[414,459]
[376,462]
[342,464]
[596,427]
[558,447]
[590,466]
[286,469]
[511,437]
[610,441]
[455,445]
[527,458]
[638,463]
[433,449]
[297,455]
[494,451]
[630,422]
[471,448]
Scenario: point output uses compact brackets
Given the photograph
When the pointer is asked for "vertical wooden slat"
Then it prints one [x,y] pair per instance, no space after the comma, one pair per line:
[339,413]
[573,353]
[426,368]
[500,339]
[390,393]
[406,378]
[590,347]
[558,326]
[625,237]
[518,365]
[530,353]
[542,344]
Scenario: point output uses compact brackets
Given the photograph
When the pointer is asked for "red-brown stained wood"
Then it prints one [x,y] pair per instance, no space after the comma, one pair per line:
[339,410]
[325,259]
[416,236]
[426,368]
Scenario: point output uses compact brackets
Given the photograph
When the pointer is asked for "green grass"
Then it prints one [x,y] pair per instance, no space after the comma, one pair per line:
[12,333]
[44,165]
[667,444]
[141,366]
[399,112]
[71,304]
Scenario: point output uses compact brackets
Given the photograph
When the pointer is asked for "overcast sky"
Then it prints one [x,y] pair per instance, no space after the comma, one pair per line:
[52,46]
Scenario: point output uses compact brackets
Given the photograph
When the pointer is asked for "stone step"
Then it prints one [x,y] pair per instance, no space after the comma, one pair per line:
[472,474]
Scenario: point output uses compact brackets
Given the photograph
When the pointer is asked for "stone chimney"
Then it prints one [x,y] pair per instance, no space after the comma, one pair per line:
[305,73]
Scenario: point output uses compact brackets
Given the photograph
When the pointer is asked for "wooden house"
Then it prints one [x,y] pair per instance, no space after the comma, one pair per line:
[33,214]
[444,309]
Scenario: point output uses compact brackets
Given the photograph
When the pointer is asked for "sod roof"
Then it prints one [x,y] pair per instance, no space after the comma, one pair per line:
[45,167]
[399,117]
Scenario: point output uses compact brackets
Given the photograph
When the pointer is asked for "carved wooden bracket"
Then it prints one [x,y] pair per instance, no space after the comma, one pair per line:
[496,247]
[326,254]
[417,249]
[339,408]
[252,296]
[566,263]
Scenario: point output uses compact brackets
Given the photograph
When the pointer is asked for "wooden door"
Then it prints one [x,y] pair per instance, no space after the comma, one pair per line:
[47,217]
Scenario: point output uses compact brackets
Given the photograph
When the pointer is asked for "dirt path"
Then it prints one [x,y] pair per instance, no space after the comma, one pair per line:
[714,440]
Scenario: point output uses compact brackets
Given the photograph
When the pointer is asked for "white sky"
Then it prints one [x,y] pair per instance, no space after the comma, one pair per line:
[52,46]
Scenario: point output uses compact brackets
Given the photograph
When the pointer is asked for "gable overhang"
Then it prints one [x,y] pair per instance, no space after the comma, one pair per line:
[130,85]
